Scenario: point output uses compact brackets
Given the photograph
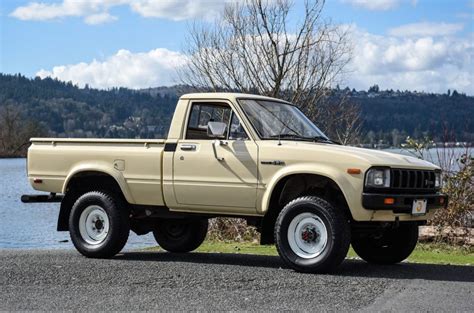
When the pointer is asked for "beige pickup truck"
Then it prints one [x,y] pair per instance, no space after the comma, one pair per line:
[238,155]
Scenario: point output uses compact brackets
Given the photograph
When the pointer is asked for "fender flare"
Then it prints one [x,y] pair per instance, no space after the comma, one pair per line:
[311,169]
[102,168]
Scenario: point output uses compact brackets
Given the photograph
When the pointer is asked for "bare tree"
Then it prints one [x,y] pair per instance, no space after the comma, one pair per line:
[15,131]
[254,47]
[339,118]
[9,123]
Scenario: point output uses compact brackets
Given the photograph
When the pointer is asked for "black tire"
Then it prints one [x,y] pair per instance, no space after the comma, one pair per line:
[180,235]
[390,247]
[118,220]
[337,229]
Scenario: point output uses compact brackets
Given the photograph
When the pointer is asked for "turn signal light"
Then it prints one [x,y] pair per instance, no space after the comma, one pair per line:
[389,201]
[353,170]
[37,180]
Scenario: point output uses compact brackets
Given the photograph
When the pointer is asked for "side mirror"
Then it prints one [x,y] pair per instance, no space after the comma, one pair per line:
[216,129]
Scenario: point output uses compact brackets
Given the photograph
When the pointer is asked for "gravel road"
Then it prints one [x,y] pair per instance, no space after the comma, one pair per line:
[64,280]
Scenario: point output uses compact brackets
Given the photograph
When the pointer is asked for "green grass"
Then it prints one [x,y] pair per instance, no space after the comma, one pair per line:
[424,253]
[442,254]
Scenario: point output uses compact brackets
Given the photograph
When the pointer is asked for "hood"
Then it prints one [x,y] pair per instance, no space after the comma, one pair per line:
[372,157]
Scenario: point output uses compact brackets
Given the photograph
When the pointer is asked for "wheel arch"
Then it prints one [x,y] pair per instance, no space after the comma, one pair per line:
[97,170]
[299,182]
[325,172]
[84,179]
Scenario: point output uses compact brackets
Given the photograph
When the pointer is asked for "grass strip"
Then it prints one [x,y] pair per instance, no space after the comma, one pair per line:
[424,253]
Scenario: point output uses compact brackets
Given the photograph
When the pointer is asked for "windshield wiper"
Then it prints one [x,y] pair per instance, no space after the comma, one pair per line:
[285,135]
[314,138]
[325,139]
[288,135]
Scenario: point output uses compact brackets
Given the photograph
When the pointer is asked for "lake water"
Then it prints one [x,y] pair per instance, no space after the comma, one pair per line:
[33,225]
[446,157]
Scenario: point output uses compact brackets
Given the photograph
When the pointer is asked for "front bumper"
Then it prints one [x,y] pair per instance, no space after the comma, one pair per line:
[402,203]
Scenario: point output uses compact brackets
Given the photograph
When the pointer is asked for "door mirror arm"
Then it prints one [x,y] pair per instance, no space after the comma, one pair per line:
[218,143]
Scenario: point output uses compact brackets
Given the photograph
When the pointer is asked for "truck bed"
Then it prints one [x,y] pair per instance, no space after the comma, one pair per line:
[134,163]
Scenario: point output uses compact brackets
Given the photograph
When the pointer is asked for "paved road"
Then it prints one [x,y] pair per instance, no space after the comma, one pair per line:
[64,280]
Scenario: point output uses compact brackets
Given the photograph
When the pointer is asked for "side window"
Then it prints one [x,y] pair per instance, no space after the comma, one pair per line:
[237,132]
[203,113]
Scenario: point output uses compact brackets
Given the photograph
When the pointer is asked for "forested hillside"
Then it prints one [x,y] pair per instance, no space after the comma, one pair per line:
[30,107]
[391,116]
[67,111]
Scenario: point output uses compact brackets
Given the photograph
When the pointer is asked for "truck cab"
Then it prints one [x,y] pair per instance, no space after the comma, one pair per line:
[238,155]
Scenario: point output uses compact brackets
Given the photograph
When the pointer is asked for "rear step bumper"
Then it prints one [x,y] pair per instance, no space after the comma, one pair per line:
[52,197]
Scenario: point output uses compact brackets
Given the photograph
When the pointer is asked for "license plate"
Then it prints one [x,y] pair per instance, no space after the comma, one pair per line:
[419,207]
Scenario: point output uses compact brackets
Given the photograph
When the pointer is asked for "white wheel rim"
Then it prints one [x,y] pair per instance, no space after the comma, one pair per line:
[94,225]
[307,235]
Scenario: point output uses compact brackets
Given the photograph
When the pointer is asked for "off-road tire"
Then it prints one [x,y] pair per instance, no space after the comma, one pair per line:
[338,235]
[118,218]
[390,247]
[180,235]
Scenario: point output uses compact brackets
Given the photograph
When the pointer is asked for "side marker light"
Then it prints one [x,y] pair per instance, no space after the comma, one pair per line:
[354,170]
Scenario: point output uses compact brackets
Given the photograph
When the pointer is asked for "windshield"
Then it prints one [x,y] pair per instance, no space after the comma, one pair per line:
[273,120]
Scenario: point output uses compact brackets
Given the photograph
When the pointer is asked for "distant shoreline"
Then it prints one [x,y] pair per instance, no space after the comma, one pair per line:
[12,156]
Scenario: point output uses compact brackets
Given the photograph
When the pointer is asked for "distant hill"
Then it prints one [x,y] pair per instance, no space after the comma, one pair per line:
[68,111]
[391,116]
[65,110]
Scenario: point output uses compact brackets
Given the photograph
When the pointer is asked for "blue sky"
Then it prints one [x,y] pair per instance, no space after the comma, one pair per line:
[400,44]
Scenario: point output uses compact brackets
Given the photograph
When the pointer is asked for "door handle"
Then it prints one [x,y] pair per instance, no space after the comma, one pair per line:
[188,147]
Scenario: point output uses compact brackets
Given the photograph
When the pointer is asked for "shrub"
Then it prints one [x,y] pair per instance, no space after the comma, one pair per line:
[235,229]
[458,171]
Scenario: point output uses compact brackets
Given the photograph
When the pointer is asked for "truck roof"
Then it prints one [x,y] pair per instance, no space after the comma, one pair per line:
[227,96]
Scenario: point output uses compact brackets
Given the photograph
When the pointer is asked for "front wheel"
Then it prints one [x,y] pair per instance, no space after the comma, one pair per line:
[99,224]
[180,235]
[311,235]
[388,247]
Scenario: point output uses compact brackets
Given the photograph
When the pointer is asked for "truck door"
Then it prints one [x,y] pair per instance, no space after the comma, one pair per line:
[215,173]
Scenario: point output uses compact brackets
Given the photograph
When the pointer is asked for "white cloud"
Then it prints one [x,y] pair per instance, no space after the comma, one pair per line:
[123,69]
[379,5]
[97,11]
[374,5]
[432,64]
[177,9]
[99,18]
[423,63]
[465,16]
[40,11]
[426,29]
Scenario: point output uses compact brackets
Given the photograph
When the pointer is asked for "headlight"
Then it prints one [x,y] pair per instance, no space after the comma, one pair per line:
[438,180]
[378,178]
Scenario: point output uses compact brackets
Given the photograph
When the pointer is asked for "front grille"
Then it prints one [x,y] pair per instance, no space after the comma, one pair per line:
[416,180]
[408,181]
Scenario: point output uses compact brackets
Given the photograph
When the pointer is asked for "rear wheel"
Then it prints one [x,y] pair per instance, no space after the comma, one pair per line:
[99,224]
[388,247]
[180,235]
[311,235]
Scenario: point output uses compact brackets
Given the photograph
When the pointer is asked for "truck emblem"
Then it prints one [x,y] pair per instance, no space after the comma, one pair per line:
[274,162]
